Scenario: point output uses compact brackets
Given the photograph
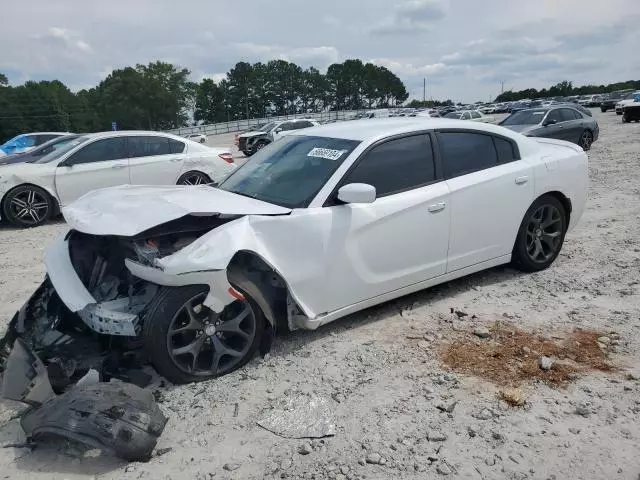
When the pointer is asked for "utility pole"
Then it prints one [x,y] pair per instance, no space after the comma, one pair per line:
[502,88]
[424,89]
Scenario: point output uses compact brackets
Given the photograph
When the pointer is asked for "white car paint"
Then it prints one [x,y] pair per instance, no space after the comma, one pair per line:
[197,137]
[627,101]
[68,183]
[342,258]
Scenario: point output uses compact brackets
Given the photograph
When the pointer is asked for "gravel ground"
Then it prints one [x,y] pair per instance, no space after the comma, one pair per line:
[398,412]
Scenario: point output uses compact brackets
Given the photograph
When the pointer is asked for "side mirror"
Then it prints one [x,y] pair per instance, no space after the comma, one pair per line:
[357,193]
[278,130]
[548,122]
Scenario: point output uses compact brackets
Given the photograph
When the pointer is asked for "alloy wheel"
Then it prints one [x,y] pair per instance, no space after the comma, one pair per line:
[203,343]
[544,233]
[29,207]
[195,179]
[586,140]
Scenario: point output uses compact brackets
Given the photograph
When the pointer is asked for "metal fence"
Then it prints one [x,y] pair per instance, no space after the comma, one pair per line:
[240,125]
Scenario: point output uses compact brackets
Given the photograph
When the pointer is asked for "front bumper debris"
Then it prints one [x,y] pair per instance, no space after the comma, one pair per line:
[120,418]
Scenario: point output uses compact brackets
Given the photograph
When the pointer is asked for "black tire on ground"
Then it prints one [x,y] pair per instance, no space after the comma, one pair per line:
[261,144]
[586,140]
[618,113]
[625,118]
[602,109]
[194,178]
[202,140]
[28,206]
[541,235]
[159,335]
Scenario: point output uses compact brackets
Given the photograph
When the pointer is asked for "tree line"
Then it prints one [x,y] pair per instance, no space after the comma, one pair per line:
[161,96]
[565,89]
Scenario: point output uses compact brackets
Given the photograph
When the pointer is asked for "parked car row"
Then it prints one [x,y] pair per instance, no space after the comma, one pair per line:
[37,184]
[256,138]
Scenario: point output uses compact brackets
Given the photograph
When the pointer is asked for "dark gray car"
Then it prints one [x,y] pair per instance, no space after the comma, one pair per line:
[560,122]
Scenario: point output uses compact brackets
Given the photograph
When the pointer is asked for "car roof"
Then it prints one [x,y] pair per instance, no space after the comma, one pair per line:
[129,133]
[375,128]
[44,133]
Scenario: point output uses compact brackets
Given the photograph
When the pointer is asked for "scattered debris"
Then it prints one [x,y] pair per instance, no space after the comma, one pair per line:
[583,411]
[513,396]
[162,451]
[484,414]
[236,409]
[305,449]
[444,469]
[300,416]
[447,408]
[230,467]
[375,459]
[437,436]
[545,363]
[501,360]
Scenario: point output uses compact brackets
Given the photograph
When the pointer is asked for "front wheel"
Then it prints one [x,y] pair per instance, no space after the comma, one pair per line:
[194,178]
[187,342]
[27,206]
[541,235]
[602,109]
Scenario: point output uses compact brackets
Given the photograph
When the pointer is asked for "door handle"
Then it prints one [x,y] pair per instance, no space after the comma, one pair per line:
[118,165]
[175,160]
[436,207]
[521,180]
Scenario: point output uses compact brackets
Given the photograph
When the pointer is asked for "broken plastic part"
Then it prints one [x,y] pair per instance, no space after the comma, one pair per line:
[25,377]
[118,417]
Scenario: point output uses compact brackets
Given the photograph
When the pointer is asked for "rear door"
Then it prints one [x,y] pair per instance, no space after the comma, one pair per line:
[154,160]
[490,187]
[99,164]
[573,124]
[554,130]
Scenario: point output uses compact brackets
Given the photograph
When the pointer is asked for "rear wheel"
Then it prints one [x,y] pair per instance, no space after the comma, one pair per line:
[27,206]
[541,235]
[602,109]
[586,139]
[261,144]
[194,178]
[188,342]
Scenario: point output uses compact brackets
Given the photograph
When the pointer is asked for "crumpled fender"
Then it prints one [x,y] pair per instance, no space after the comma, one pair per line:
[291,245]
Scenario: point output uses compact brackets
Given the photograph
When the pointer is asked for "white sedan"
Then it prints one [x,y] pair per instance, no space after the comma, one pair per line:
[32,192]
[323,223]
[197,137]
[473,115]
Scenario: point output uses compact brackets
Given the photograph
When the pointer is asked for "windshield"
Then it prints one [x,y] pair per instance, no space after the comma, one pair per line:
[525,117]
[265,128]
[58,152]
[291,171]
[453,115]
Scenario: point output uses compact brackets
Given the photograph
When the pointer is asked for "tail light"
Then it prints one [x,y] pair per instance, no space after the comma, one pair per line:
[227,157]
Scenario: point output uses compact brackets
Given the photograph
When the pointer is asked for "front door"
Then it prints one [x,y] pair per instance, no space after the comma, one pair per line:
[398,240]
[99,164]
[490,191]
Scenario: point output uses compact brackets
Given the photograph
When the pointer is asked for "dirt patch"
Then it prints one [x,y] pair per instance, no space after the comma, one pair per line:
[511,356]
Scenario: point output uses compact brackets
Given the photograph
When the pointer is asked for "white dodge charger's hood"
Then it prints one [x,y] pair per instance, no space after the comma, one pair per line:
[128,210]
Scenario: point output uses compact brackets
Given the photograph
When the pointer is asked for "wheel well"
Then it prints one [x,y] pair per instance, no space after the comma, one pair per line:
[566,203]
[54,200]
[267,281]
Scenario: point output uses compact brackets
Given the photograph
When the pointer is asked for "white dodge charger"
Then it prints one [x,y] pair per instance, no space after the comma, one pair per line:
[33,191]
[323,223]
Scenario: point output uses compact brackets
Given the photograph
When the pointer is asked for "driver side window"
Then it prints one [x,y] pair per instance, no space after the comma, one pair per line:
[100,151]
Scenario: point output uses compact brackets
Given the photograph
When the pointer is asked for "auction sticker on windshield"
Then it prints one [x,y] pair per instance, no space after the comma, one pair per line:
[327,153]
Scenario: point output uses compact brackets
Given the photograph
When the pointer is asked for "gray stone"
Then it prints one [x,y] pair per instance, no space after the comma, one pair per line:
[374,458]
[584,411]
[444,469]
[575,431]
[605,340]
[485,414]
[434,436]
[490,461]
[472,432]
[545,363]
[230,467]
[305,449]
[482,332]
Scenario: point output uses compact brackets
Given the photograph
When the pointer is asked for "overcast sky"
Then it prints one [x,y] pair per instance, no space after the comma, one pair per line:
[465,48]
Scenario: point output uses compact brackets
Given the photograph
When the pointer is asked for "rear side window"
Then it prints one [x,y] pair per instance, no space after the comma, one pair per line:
[149,146]
[568,114]
[176,146]
[555,115]
[304,124]
[464,153]
[475,114]
[396,165]
[506,152]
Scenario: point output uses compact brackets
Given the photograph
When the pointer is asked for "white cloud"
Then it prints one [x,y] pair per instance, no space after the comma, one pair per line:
[412,17]
[320,57]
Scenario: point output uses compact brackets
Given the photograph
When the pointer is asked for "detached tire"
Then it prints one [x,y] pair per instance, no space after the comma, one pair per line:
[541,235]
[186,342]
[27,206]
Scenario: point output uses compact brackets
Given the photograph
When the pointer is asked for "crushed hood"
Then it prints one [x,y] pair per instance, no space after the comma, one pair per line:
[128,210]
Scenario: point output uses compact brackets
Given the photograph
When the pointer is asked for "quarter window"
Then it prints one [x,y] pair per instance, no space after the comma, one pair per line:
[505,150]
[100,151]
[148,146]
[176,146]
[396,165]
[464,153]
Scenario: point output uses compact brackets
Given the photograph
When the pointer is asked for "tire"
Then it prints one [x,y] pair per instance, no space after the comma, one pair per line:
[523,258]
[245,153]
[625,118]
[586,140]
[618,113]
[16,203]
[602,109]
[202,140]
[261,144]
[194,178]
[168,306]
